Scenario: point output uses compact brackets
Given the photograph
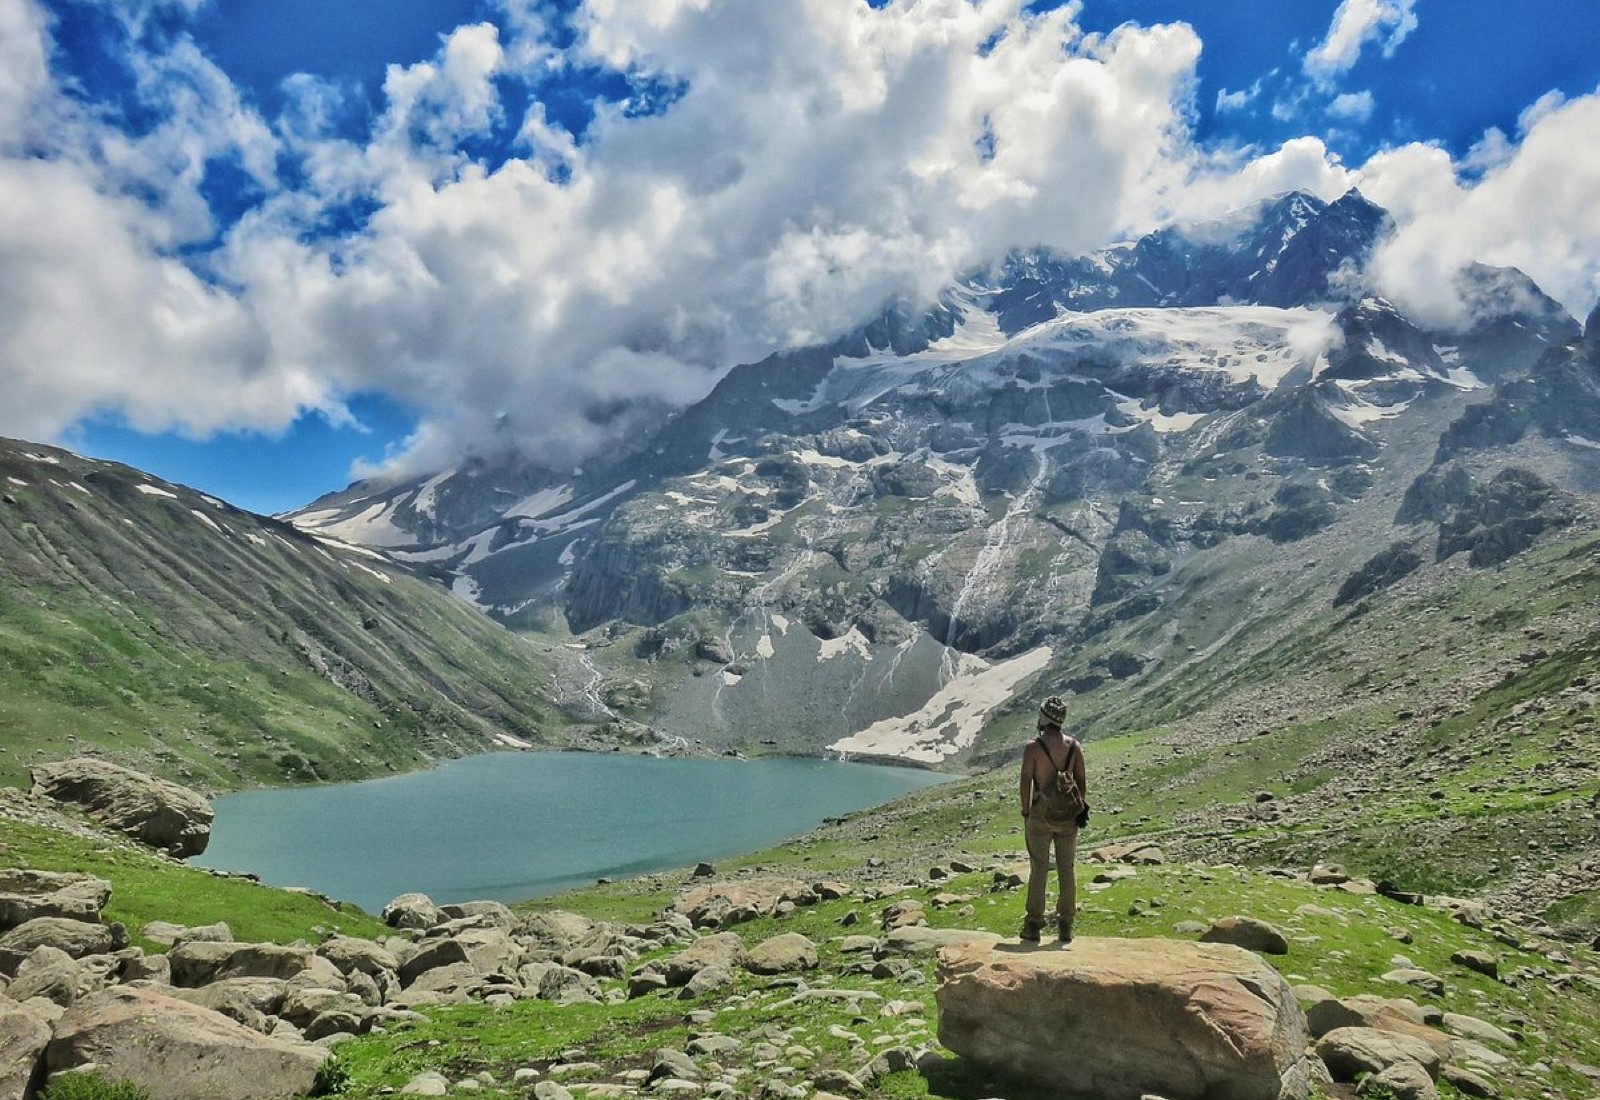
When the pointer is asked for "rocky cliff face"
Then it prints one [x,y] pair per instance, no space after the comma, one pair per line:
[1037,476]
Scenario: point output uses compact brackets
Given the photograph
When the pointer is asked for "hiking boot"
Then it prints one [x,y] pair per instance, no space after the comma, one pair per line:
[1030,931]
[1064,930]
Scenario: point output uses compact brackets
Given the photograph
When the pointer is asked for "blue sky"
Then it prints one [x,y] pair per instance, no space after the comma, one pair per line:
[262,246]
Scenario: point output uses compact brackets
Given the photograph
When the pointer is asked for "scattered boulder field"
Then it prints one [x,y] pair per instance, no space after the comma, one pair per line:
[1186,1015]
[1187,981]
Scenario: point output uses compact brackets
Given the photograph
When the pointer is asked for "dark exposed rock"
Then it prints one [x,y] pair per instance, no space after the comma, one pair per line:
[1434,494]
[1301,510]
[1503,518]
[1129,560]
[1390,567]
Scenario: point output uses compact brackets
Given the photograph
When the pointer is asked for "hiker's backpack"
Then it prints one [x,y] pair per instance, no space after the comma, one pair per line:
[1060,801]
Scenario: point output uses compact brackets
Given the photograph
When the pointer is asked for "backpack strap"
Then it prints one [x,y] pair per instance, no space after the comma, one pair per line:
[1072,743]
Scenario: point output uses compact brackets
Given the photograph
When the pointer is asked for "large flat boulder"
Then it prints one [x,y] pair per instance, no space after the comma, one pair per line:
[1118,1019]
[152,811]
[179,1051]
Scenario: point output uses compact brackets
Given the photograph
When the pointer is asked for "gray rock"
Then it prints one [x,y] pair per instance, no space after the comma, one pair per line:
[26,895]
[207,933]
[921,940]
[1349,1052]
[195,962]
[1248,933]
[563,985]
[265,960]
[721,950]
[339,1021]
[433,955]
[23,1038]
[646,980]
[426,1084]
[75,937]
[714,1046]
[301,1006]
[1480,961]
[1471,1027]
[1401,1081]
[494,914]
[49,973]
[453,984]
[490,949]
[413,911]
[836,1081]
[557,930]
[885,1062]
[1468,1082]
[152,811]
[178,1051]
[164,933]
[1417,979]
[1170,1017]
[228,1000]
[353,955]
[708,979]
[155,969]
[782,954]
[550,1090]
[673,1063]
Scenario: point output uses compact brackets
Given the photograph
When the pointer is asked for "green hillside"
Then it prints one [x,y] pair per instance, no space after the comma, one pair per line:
[194,640]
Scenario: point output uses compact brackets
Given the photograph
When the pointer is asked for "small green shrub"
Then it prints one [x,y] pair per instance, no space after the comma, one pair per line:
[333,1077]
[91,1086]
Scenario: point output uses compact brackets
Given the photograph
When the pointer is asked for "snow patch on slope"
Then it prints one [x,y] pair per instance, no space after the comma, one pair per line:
[373,526]
[951,720]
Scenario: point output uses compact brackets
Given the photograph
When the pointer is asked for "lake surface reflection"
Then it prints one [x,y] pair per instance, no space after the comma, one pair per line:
[513,826]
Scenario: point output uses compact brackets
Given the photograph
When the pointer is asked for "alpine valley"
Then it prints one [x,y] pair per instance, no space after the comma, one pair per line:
[1208,484]
[1338,562]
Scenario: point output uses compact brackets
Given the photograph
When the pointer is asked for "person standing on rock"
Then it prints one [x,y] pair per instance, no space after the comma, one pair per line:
[1054,793]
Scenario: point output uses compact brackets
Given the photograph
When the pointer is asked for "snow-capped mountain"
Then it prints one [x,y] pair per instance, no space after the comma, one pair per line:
[944,504]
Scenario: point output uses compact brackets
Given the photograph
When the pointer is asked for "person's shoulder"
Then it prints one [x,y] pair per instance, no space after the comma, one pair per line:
[1030,746]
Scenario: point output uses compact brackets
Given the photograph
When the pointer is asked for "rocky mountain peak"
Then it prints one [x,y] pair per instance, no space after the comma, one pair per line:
[1031,477]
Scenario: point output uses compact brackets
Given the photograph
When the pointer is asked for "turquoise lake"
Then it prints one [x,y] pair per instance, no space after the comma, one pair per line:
[514,826]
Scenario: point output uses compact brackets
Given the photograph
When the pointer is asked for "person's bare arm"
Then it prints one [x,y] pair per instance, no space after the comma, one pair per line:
[1026,791]
[1079,774]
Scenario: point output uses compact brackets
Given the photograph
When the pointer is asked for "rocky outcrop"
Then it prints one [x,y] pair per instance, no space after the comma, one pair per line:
[74,937]
[178,1051]
[718,905]
[25,895]
[152,811]
[1503,518]
[1181,1020]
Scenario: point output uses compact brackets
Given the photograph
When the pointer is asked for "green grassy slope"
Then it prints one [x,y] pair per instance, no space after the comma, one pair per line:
[220,648]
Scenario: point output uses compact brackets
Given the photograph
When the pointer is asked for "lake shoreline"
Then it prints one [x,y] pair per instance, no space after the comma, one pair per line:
[515,826]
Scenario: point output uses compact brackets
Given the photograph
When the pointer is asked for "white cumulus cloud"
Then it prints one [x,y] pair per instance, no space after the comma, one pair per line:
[1531,205]
[813,161]
[1356,24]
